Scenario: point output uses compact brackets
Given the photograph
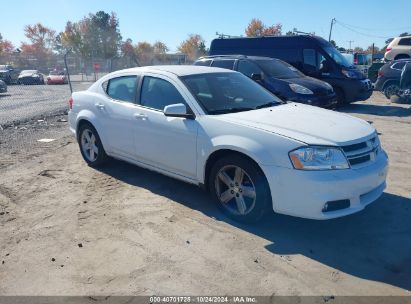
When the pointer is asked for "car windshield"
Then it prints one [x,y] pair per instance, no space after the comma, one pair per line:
[279,69]
[337,56]
[220,93]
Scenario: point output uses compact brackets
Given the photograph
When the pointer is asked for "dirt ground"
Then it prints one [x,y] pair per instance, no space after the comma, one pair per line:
[67,229]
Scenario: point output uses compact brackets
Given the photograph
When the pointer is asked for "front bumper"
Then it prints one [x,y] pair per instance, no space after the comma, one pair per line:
[323,101]
[305,193]
[358,90]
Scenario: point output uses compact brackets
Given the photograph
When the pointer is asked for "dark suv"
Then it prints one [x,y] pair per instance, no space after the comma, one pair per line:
[8,74]
[389,75]
[277,76]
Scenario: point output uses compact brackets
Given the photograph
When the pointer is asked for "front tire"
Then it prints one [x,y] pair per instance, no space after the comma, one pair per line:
[91,147]
[240,188]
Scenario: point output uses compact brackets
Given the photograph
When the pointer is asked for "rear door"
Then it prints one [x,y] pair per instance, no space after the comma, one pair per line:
[115,111]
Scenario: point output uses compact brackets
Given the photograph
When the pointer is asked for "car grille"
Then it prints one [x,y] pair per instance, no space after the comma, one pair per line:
[361,153]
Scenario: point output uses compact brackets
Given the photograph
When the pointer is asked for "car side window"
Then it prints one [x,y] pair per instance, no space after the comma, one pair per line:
[398,65]
[405,41]
[310,59]
[248,68]
[157,93]
[224,63]
[122,88]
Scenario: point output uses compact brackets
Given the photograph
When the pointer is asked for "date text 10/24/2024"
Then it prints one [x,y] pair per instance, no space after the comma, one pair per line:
[202,299]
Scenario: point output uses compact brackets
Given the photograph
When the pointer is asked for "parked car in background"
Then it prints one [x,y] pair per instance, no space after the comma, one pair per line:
[404,93]
[30,77]
[312,55]
[277,76]
[398,48]
[373,70]
[3,87]
[8,74]
[389,76]
[57,77]
[360,60]
[220,130]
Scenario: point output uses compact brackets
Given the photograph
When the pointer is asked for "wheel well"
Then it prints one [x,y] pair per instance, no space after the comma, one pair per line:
[81,123]
[215,156]
[388,82]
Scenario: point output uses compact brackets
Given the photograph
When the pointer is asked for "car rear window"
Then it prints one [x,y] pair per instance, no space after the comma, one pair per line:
[203,62]
[225,64]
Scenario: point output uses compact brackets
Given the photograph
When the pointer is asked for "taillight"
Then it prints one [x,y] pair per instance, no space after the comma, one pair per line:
[355,61]
[380,73]
[388,50]
[71,103]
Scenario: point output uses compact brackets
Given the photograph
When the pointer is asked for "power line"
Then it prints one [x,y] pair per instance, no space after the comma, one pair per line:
[376,29]
[361,33]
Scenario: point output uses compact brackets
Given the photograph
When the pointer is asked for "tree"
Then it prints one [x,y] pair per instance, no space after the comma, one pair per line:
[193,47]
[40,46]
[41,37]
[96,35]
[358,49]
[369,49]
[145,52]
[333,43]
[6,47]
[160,47]
[256,28]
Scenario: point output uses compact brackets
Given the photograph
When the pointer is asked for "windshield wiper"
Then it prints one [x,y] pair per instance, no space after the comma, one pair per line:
[268,105]
[229,110]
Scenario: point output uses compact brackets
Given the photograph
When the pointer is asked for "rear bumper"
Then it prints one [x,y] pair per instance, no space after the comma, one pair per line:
[305,193]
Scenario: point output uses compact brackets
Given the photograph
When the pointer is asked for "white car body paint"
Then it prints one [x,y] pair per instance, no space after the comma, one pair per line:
[180,147]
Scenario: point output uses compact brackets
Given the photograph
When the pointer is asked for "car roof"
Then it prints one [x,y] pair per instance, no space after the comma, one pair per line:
[236,57]
[179,70]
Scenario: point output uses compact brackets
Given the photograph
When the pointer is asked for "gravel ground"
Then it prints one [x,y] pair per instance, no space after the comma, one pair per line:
[68,229]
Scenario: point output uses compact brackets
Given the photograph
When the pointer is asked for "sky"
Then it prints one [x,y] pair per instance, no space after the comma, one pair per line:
[362,22]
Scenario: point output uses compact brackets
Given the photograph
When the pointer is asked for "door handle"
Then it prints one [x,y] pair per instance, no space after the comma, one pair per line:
[99,106]
[140,116]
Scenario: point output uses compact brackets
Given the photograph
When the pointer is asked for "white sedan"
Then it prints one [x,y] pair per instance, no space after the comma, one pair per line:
[220,130]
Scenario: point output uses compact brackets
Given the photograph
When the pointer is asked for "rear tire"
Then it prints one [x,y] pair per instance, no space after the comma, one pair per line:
[90,145]
[391,89]
[240,188]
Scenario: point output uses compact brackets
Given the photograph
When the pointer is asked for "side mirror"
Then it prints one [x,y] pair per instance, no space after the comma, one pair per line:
[256,77]
[177,110]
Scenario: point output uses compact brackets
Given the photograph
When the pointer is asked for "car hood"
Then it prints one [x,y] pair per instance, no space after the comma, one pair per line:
[310,125]
[315,85]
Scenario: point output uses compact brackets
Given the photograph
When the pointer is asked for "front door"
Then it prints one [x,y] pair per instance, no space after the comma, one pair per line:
[168,143]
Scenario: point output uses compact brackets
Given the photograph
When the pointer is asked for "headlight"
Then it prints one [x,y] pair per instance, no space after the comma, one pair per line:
[329,86]
[349,74]
[299,89]
[318,158]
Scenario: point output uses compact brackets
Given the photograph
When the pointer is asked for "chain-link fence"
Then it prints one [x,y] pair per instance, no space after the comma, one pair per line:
[34,95]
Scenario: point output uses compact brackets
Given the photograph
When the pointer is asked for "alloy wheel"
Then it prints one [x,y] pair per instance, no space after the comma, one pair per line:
[235,190]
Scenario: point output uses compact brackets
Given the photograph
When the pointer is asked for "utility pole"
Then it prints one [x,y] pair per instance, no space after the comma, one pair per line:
[350,41]
[331,29]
